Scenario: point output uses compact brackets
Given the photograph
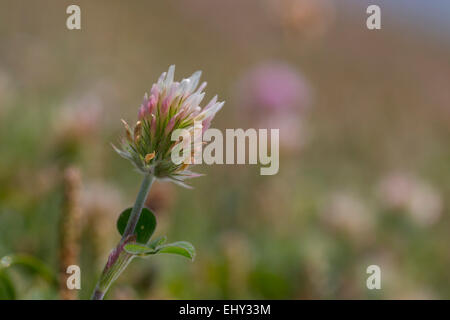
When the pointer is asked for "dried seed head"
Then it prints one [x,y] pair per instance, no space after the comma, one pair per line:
[149,157]
[127,130]
[137,131]
[183,167]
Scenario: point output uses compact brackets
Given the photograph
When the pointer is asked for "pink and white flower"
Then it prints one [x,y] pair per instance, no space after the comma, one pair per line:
[170,105]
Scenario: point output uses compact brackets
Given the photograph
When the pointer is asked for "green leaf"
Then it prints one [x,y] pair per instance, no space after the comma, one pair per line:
[182,248]
[157,242]
[144,228]
[138,249]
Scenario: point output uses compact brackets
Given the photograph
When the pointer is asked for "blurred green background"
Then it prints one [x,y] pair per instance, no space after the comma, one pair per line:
[364,152]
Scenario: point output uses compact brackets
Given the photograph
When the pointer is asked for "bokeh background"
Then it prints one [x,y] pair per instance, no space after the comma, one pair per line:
[364,119]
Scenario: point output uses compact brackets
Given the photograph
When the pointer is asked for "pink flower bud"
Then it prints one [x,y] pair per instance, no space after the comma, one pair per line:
[153,126]
[141,113]
[170,125]
[165,105]
[151,104]
[206,123]
[154,91]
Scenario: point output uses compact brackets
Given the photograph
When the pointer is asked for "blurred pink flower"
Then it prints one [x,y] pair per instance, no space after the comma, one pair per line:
[274,87]
[403,191]
[293,129]
[248,19]
[346,213]
[79,116]
[276,96]
[304,18]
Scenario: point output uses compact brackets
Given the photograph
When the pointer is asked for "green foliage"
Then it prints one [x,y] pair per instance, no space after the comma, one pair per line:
[144,228]
[138,250]
[157,242]
[182,248]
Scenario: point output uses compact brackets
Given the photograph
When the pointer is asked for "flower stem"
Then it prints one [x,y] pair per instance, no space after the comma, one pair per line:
[138,205]
[118,259]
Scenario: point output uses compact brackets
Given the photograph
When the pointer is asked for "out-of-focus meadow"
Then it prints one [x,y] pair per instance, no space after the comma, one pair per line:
[364,177]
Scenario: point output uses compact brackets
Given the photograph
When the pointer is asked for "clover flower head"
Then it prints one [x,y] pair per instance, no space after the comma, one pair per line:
[169,106]
[274,87]
[409,193]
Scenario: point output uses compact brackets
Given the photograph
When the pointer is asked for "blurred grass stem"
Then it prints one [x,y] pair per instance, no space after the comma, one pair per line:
[69,230]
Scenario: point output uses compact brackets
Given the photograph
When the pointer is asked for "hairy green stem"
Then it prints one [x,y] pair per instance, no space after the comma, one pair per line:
[118,259]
